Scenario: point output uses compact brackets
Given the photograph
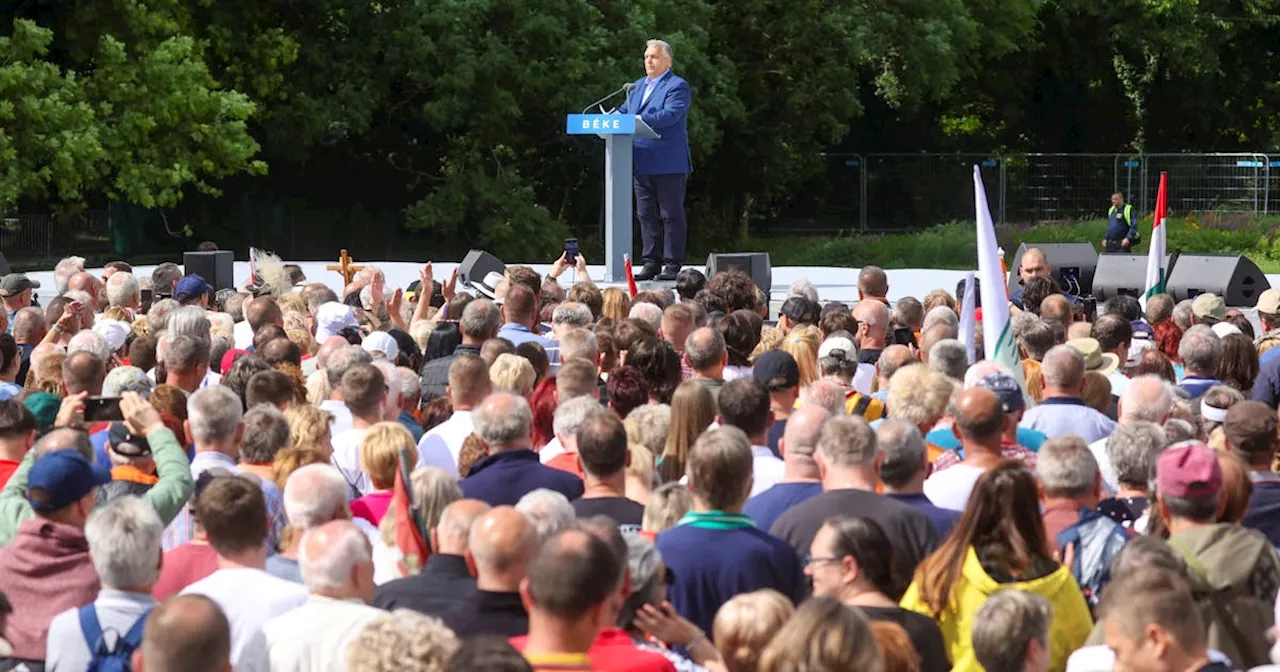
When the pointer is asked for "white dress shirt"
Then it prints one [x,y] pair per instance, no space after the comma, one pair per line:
[249,598]
[442,446]
[766,469]
[314,637]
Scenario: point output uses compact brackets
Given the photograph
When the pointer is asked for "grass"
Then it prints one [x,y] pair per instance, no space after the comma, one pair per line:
[953,245]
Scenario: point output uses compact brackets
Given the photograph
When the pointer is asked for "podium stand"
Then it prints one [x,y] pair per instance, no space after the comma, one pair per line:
[617,130]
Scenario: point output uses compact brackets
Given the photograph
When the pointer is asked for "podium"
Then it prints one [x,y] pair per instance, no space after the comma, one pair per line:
[617,131]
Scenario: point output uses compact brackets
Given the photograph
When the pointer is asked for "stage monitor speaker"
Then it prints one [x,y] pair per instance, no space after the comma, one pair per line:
[4,265]
[216,267]
[755,264]
[475,266]
[1236,279]
[1121,274]
[1074,265]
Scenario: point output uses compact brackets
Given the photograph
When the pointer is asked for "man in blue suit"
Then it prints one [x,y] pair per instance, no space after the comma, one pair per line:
[661,166]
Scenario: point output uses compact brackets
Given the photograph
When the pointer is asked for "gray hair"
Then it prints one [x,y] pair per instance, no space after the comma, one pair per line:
[223,320]
[941,315]
[572,313]
[548,511]
[28,322]
[1063,366]
[571,414]
[67,267]
[950,358]
[342,360]
[1004,627]
[1182,314]
[124,543]
[391,377]
[1146,398]
[1200,350]
[648,425]
[265,433]
[314,495]
[82,296]
[887,364]
[214,413]
[643,560]
[1133,449]
[579,343]
[1177,430]
[825,394]
[1066,467]
[903,449]
[188,321]
[90,342]
[1036,336]
[332,568]
[659,43]
[647,312]
[159,314]
[122,288]
[480,319]
[802,287]
[410,386]
[502,419]
[847,441]
[185,353]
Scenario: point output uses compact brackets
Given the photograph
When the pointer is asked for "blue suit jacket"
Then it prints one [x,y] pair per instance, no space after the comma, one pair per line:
[667,112]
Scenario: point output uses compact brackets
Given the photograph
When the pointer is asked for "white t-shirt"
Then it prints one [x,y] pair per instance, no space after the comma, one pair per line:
[441,446]
[346,457]
[249,598]
[766,469]
[341,415]
[315,636]
[1110,483]
[951,487]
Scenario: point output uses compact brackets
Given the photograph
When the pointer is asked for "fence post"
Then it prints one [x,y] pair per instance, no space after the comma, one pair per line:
[862,193]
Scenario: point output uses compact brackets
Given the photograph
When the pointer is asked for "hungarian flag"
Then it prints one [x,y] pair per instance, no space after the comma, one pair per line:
[1155,255]
[997,329]
[631,277]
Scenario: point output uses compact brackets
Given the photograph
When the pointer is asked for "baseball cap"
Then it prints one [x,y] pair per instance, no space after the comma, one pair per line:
[114,332]
[60,478]
[838,347]
[16,283]
[44,406]
[331,318]
[190,287]
[124,442]
[1188,469]
[1209,308]
[776,370]
[381,341]
[1269,302]
[800,310]
[1250,427]
[1094,358]
[1006,388]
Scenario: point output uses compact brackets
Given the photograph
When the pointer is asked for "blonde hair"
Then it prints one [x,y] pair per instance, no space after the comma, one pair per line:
[649,425]
[744,626]
[667,505]
[292,303]
[46,374]
[823,636]
[802,344]
[141,326]
[294,322]
[617,304]
[771,338]
[380,452]
[307,426]
[303,339]
[318,386]
[1097,391]
[939,297]
[119,313]
[692,411]
[641,466]
[512,373]
[290,459]
[919,395]
[403,640]
[1031,374]
[420,332]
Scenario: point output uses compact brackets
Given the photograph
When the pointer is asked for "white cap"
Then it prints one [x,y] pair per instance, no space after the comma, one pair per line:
[381,341]
[838,347]
[333,317]
[1225,329]
[114,332]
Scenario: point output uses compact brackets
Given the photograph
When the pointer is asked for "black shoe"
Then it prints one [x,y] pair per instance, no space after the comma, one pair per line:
[649,272]
[668,274]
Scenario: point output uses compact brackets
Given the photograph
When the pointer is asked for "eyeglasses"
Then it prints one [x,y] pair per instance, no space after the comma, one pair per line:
[811,561]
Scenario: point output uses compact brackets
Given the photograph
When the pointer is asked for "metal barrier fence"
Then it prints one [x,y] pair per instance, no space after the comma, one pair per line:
[886,192]
[30,235]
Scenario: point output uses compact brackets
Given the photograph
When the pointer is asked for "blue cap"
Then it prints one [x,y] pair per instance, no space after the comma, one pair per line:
[60,478]
[190,287]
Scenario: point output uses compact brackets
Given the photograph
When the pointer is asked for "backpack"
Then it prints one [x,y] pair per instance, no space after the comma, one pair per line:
[117,657]
[1097,540]
[1237,622]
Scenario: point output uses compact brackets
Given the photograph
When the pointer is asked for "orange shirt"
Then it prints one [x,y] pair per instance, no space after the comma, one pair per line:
[566,462]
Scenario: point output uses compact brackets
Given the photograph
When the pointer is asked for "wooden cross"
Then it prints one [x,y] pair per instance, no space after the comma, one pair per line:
[345,267]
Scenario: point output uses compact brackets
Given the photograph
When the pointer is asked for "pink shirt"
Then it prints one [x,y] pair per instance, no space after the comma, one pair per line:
[373,506]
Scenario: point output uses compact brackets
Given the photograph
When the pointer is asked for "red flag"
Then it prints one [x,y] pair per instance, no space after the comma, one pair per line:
[410,535]
[631,278]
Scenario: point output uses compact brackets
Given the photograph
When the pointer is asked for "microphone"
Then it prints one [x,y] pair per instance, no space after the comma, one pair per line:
[624,88]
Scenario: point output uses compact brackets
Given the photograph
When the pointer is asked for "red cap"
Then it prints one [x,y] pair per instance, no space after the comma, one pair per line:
[1189,470]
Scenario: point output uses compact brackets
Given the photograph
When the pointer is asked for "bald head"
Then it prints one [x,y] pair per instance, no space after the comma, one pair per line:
[455,525]
[1147,398]
[978,415]
[83,371]
[800,439]
[872,282]
[261,311]
[705,350]
[1034,264]
[1056,307]
[1063,369]
[185,633]
[501,543]
[873,321]
[86,282]
[29,326]
[330,344]
[933,336]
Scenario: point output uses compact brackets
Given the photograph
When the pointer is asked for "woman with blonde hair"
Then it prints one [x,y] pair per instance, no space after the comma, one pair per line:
[379,458]
[639,478]
[432,489]
[823,636]
[514,374]
[310,428]
[802,344]
[692,411]
[617,305]
[668,503]
[746,624]
[46,374]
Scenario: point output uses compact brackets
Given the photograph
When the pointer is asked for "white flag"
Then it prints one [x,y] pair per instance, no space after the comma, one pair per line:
[967,322]
[997,329]
[1155,255]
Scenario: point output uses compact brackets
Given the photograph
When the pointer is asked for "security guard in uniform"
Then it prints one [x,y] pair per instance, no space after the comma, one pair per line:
[1122,227]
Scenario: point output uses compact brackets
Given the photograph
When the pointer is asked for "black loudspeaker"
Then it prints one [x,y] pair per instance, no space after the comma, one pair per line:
[1121,274]
[216,267]
[475,266]
[1074,265]
[755,264]
[1236,279]
[4,265]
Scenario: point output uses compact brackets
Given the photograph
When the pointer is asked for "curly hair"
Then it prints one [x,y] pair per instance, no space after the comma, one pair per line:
[403,640]
[735,288]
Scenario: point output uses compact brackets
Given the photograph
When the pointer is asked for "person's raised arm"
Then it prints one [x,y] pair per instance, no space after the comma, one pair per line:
[425,281]
[175,485]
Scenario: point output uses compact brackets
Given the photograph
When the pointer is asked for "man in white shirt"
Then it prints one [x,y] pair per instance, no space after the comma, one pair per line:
[364,391]
[124,543]
[236,523]
[1146,399]
[313,495]
[979,424]
[468,385]
[336,366]
[337,569]
[744,403]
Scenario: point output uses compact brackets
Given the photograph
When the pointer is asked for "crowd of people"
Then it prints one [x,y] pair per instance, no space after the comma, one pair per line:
[533,476]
